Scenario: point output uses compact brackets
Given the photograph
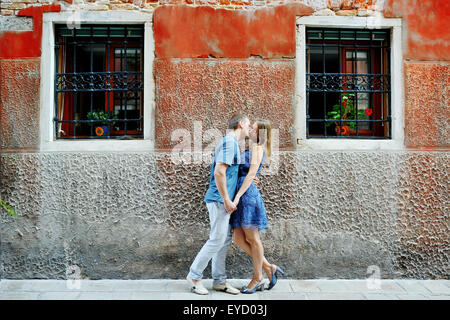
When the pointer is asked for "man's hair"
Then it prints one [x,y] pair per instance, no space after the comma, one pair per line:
[235,119]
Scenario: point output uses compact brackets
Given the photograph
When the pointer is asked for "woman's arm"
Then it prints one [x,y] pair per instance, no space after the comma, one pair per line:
[256,158]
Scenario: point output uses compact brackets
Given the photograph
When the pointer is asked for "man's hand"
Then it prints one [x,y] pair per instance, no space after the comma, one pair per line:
[256,180]
[229,206]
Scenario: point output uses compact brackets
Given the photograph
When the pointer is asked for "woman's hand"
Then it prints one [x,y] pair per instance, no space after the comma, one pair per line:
[236,200]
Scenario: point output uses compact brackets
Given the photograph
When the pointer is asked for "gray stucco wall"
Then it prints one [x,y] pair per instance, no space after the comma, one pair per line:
[139,216]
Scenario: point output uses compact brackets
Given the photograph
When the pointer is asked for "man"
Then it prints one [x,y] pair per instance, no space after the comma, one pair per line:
[219,201]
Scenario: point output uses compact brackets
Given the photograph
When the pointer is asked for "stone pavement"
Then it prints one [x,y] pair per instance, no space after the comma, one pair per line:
[158,289]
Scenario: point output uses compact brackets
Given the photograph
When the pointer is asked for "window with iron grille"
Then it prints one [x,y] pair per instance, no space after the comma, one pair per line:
[348,83]
[99,82]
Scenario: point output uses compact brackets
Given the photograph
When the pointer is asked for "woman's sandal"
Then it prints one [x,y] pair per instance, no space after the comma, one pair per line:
[274,276]
[259,287]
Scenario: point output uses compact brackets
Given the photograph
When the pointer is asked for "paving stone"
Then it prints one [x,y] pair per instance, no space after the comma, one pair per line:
[412,296]
[364,286]
[102,295]
[333,286]
[121,295]
[335,296]
[154,285]
[283,296]
[99,295]
[112,285]
[226,296]
[150,296]
[49,285]
[433,297]
[59,295]
[35,285]
[304,286]
[380,296]
[187,296]
[413,286]
[19,295]
[183,286]
[16,285]
[97,285]
[436,286]
[390,286]
[281,286]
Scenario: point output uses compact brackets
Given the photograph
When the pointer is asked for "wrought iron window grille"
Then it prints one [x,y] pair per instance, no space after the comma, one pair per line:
[99,82]
[348,83]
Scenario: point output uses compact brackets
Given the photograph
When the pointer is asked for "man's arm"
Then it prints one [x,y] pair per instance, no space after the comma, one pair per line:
[220,176]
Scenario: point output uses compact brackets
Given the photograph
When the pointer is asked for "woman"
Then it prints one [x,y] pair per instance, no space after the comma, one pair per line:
[250,215]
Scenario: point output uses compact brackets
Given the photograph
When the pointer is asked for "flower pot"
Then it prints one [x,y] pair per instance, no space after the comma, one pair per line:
[344,130]
[102,131]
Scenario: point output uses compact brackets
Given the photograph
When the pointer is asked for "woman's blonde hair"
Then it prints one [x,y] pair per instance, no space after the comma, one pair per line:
[264,135]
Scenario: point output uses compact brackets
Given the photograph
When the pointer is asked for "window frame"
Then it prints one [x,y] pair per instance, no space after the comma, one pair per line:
[396,70]
[343,47]
[47,102]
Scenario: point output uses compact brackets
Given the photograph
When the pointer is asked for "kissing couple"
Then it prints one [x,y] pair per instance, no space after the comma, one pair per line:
[236,209]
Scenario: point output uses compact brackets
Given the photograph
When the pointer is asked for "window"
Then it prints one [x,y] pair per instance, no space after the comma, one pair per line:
[348,83]
[99,82]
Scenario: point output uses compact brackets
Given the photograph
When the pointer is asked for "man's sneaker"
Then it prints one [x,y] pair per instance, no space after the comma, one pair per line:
[196,287]
[226,287]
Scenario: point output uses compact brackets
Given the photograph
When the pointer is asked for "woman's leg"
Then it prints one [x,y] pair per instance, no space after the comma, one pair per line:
[257,253]
[240,240]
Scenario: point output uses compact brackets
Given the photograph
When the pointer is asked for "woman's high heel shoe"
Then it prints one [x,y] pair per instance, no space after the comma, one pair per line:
[274,276]
[259,287]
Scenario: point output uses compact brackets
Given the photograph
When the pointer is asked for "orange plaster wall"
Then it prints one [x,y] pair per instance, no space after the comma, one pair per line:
[427,25]
[193,32]
[427,54]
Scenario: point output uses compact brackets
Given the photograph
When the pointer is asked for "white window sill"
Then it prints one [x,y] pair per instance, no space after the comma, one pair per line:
[98,145]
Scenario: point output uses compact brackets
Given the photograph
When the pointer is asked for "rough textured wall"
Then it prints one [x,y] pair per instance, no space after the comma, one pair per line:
[250,68]
[426,49]
[427,111]
[426,24]
[210,91]
[138,215]
[19,103]
[17,44]
[191,32]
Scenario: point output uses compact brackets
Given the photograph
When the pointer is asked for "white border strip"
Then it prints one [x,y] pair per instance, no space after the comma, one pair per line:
[397,89]
[47,104]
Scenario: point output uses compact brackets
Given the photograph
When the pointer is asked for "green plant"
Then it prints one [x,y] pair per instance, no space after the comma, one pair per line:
[101,116]
[345,111]
[7,207]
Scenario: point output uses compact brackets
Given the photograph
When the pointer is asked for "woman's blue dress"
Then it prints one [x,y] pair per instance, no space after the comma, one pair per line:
[250,212]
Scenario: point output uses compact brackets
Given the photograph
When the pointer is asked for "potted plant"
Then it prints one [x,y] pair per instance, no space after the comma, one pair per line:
[347,112]
[102,117]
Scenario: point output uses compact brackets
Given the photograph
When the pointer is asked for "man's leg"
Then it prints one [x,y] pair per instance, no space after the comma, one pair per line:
[219,221]
[218,260]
